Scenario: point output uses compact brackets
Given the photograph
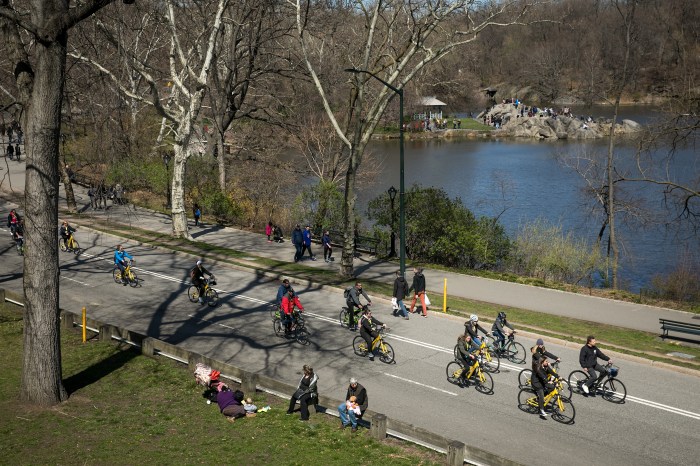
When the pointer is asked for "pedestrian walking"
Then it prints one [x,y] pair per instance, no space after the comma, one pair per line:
[327,248]
[10,151]
[418,288]
[18,152]
[197,213]
[400,292]
[297,241]
[306,234]
[91,195]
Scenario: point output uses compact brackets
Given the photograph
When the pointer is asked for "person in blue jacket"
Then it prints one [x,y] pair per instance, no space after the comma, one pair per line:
[307,243]
[120,258]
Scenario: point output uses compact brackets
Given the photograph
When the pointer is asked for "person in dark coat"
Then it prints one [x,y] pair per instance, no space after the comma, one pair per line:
[588,359]
[418,287]
[540,381]
[297,241]
[230,403]
[369,331]
[347,416]
[400,292]
[307,393]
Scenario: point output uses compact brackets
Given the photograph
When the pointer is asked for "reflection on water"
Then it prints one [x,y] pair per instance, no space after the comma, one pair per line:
[520,180]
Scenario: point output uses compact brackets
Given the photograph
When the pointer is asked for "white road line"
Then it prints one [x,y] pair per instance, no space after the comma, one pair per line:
[649,403]
[421,384]
[76,281]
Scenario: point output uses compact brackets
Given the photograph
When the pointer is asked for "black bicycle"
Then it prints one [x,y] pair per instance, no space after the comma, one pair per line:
[511,350]
[612,389]
[297,328]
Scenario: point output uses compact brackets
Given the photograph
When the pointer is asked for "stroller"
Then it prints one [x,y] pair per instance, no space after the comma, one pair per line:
[204,375]
[278,234]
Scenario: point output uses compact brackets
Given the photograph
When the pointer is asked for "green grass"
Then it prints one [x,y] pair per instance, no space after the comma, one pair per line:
[129,409]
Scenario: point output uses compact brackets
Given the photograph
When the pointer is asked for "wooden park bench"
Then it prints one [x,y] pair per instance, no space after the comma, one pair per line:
[678,327]
[362,243]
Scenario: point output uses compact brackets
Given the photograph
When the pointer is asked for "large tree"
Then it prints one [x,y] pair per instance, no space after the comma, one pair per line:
[393,40]
[36,34]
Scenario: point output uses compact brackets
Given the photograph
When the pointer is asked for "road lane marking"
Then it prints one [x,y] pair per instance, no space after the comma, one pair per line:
[210,322]
[411,341]
[76,281]
[421,384]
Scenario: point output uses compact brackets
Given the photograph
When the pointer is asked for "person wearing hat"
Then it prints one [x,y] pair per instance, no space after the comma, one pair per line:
[197,275]
[538,351]
[499,331]
[347,416]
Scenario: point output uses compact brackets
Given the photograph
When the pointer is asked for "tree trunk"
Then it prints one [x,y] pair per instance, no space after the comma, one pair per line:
[68,186]
[221,160]
[41,365]
[178,212]
[348,254]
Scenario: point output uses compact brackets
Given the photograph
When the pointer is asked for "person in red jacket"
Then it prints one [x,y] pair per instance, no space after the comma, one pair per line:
[289,302]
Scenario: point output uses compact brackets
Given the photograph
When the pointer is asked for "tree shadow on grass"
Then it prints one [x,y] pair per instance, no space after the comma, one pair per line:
[99,370]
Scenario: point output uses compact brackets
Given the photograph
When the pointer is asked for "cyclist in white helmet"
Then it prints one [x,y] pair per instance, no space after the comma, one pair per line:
[472,328]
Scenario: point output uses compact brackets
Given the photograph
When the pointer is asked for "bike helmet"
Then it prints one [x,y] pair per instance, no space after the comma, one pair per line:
[502,315]
[473,318]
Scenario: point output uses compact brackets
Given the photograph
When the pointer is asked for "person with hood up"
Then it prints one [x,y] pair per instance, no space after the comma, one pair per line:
[400,292]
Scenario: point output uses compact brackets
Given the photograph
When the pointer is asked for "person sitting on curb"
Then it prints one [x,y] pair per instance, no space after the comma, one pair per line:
[348,416]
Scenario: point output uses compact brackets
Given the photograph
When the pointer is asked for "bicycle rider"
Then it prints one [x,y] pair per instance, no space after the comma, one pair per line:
[539,351]
[282,291]
[197,275]
[353,301]
[472,327]
[18,233]
[541,371]
[287,305]
[13,220]
[588,359]
[120,258]
[498,329]
[66,231]
[368,330]
[467,349]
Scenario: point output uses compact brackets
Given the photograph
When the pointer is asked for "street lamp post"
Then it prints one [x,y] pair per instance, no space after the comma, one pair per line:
[392,195]
[402,203]
[166,161]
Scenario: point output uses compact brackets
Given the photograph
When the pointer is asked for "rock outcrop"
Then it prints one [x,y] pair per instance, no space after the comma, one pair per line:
[543,126]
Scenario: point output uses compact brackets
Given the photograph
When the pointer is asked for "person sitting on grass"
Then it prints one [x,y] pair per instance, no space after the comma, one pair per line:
[230,402]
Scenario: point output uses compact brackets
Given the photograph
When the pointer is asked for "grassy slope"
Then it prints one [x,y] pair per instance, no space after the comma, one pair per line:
[125,408]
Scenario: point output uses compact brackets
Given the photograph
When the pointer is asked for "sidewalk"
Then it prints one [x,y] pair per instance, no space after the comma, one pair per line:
[593,309]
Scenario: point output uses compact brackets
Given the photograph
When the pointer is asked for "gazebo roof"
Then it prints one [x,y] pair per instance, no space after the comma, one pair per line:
[431,102]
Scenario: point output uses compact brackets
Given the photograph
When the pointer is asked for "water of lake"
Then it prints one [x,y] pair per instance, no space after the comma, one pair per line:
[524,178]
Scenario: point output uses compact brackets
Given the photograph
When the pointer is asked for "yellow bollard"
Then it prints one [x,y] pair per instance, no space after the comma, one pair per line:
[444,296]
[84,324]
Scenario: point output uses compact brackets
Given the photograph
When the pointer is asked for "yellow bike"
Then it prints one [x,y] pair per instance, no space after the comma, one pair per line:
[483,382]
[525,375]
[560,406]
[491,359]
[70,245]
[210,295]
[386,352]
[128,276]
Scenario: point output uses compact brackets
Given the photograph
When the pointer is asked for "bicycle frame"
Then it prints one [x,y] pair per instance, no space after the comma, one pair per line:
[71,242]
[548,397]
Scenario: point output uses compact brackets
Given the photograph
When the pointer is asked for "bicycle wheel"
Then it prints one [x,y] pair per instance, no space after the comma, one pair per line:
[277,327]
[524,377]
[62,245]
[211,296]
[563,410]
[527,401]
[456,351]
[76,248]
[274,311]
[133,280]
[20,249]
[302,335]
[483,382]
[566,389]
[454,370]
[360,346]
[386,353]
[344,322]
[117,275]
[576,379]
[193,294]
[515,352]
[614,391]
[491,362]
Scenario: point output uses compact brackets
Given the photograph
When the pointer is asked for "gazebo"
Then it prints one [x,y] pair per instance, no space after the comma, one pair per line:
[431,108]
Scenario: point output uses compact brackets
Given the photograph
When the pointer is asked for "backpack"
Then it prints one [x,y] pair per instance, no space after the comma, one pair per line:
[346,293]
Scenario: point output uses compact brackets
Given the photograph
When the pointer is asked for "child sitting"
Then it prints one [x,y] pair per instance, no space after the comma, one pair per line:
[250,408]
[352,405]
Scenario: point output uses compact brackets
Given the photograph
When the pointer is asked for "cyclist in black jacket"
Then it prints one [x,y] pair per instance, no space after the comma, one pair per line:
[539,380]
[588,359]
[368,331]
[539,351]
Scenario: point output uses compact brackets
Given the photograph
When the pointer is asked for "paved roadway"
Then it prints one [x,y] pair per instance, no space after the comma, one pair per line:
[660,424]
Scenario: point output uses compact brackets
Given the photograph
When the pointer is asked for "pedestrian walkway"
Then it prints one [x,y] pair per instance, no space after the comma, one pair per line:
[589,308]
